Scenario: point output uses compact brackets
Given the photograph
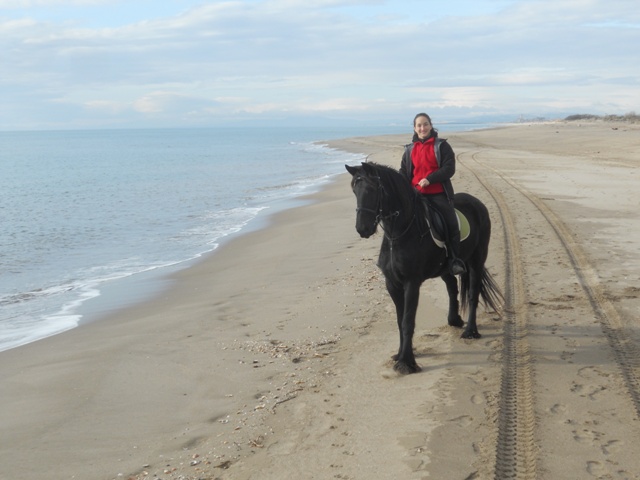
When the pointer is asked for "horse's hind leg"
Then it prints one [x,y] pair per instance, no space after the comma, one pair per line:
[453,318]
[473,296]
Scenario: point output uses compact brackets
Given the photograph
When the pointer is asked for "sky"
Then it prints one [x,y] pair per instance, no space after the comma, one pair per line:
[70,64]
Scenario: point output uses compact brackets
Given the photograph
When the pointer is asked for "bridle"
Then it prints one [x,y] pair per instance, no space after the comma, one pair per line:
[379,217]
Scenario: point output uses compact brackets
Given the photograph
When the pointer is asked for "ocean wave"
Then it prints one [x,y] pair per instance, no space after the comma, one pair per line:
[131,208]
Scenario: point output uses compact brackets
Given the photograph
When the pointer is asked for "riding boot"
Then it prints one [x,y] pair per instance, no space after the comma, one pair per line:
[456,265]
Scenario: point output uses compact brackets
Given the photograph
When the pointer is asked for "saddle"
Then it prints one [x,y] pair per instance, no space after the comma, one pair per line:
[437,225]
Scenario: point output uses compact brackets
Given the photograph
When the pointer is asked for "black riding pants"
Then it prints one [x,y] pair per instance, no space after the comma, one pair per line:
[441,203]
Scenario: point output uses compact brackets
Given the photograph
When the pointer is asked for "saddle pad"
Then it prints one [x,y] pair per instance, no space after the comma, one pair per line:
[463,223]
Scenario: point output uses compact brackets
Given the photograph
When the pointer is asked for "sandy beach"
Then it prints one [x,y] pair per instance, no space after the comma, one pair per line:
[270,359]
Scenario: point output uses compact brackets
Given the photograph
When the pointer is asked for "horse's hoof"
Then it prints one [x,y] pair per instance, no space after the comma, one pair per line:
[456,322]
[470,335]
[395,357]
[406,369]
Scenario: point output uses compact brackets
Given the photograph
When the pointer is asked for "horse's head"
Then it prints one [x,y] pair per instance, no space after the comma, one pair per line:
[366,187]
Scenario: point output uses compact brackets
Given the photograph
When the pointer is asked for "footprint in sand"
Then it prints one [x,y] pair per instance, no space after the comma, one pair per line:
[611,447]
[595,391]
[495,357]
[592,372]
[463,420]
[587,436]
[595,469]
[590,391]
[567,356]
[415,445]
[558,408]
[571,343]
[282,448]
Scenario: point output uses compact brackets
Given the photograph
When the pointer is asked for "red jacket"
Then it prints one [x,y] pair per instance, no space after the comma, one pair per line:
[445,158]
[423,157]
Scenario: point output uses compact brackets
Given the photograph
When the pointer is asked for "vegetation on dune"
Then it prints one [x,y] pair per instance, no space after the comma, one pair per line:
[630,117]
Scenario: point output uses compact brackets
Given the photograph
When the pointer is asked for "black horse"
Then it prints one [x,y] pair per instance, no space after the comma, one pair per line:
[409,255]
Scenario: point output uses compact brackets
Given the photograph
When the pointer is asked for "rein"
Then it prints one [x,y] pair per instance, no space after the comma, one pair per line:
[393,215]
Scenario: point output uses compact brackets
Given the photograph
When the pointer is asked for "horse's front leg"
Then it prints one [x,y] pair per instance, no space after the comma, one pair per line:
[396,292]
[405,361]
[453,318]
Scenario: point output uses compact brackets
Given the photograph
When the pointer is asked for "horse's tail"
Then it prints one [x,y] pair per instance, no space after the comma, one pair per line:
[490,293]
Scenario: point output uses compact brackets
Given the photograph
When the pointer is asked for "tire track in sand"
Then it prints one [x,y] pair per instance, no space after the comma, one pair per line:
[624,350]
[515,450]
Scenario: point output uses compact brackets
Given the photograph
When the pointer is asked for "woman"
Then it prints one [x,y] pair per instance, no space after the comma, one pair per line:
[429,163]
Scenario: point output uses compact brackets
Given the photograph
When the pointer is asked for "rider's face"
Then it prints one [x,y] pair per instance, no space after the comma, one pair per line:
[422,127]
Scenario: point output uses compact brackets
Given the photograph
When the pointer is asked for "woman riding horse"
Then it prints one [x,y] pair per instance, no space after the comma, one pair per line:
[429,163]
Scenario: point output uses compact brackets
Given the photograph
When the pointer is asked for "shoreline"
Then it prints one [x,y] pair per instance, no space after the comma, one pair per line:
[55,366]
[128,291]
[163,277]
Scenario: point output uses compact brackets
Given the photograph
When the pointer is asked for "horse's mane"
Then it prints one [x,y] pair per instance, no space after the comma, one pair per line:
[398,187]
[392,179]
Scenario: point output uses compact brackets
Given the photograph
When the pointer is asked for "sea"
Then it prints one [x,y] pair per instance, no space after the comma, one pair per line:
[93,220]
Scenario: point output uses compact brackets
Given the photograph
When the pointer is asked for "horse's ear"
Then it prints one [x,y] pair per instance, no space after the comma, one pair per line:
[352,170]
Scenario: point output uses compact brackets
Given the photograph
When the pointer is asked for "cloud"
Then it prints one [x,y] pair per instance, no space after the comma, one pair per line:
[106,106]
[371,58]
[21,4]
[171,102]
